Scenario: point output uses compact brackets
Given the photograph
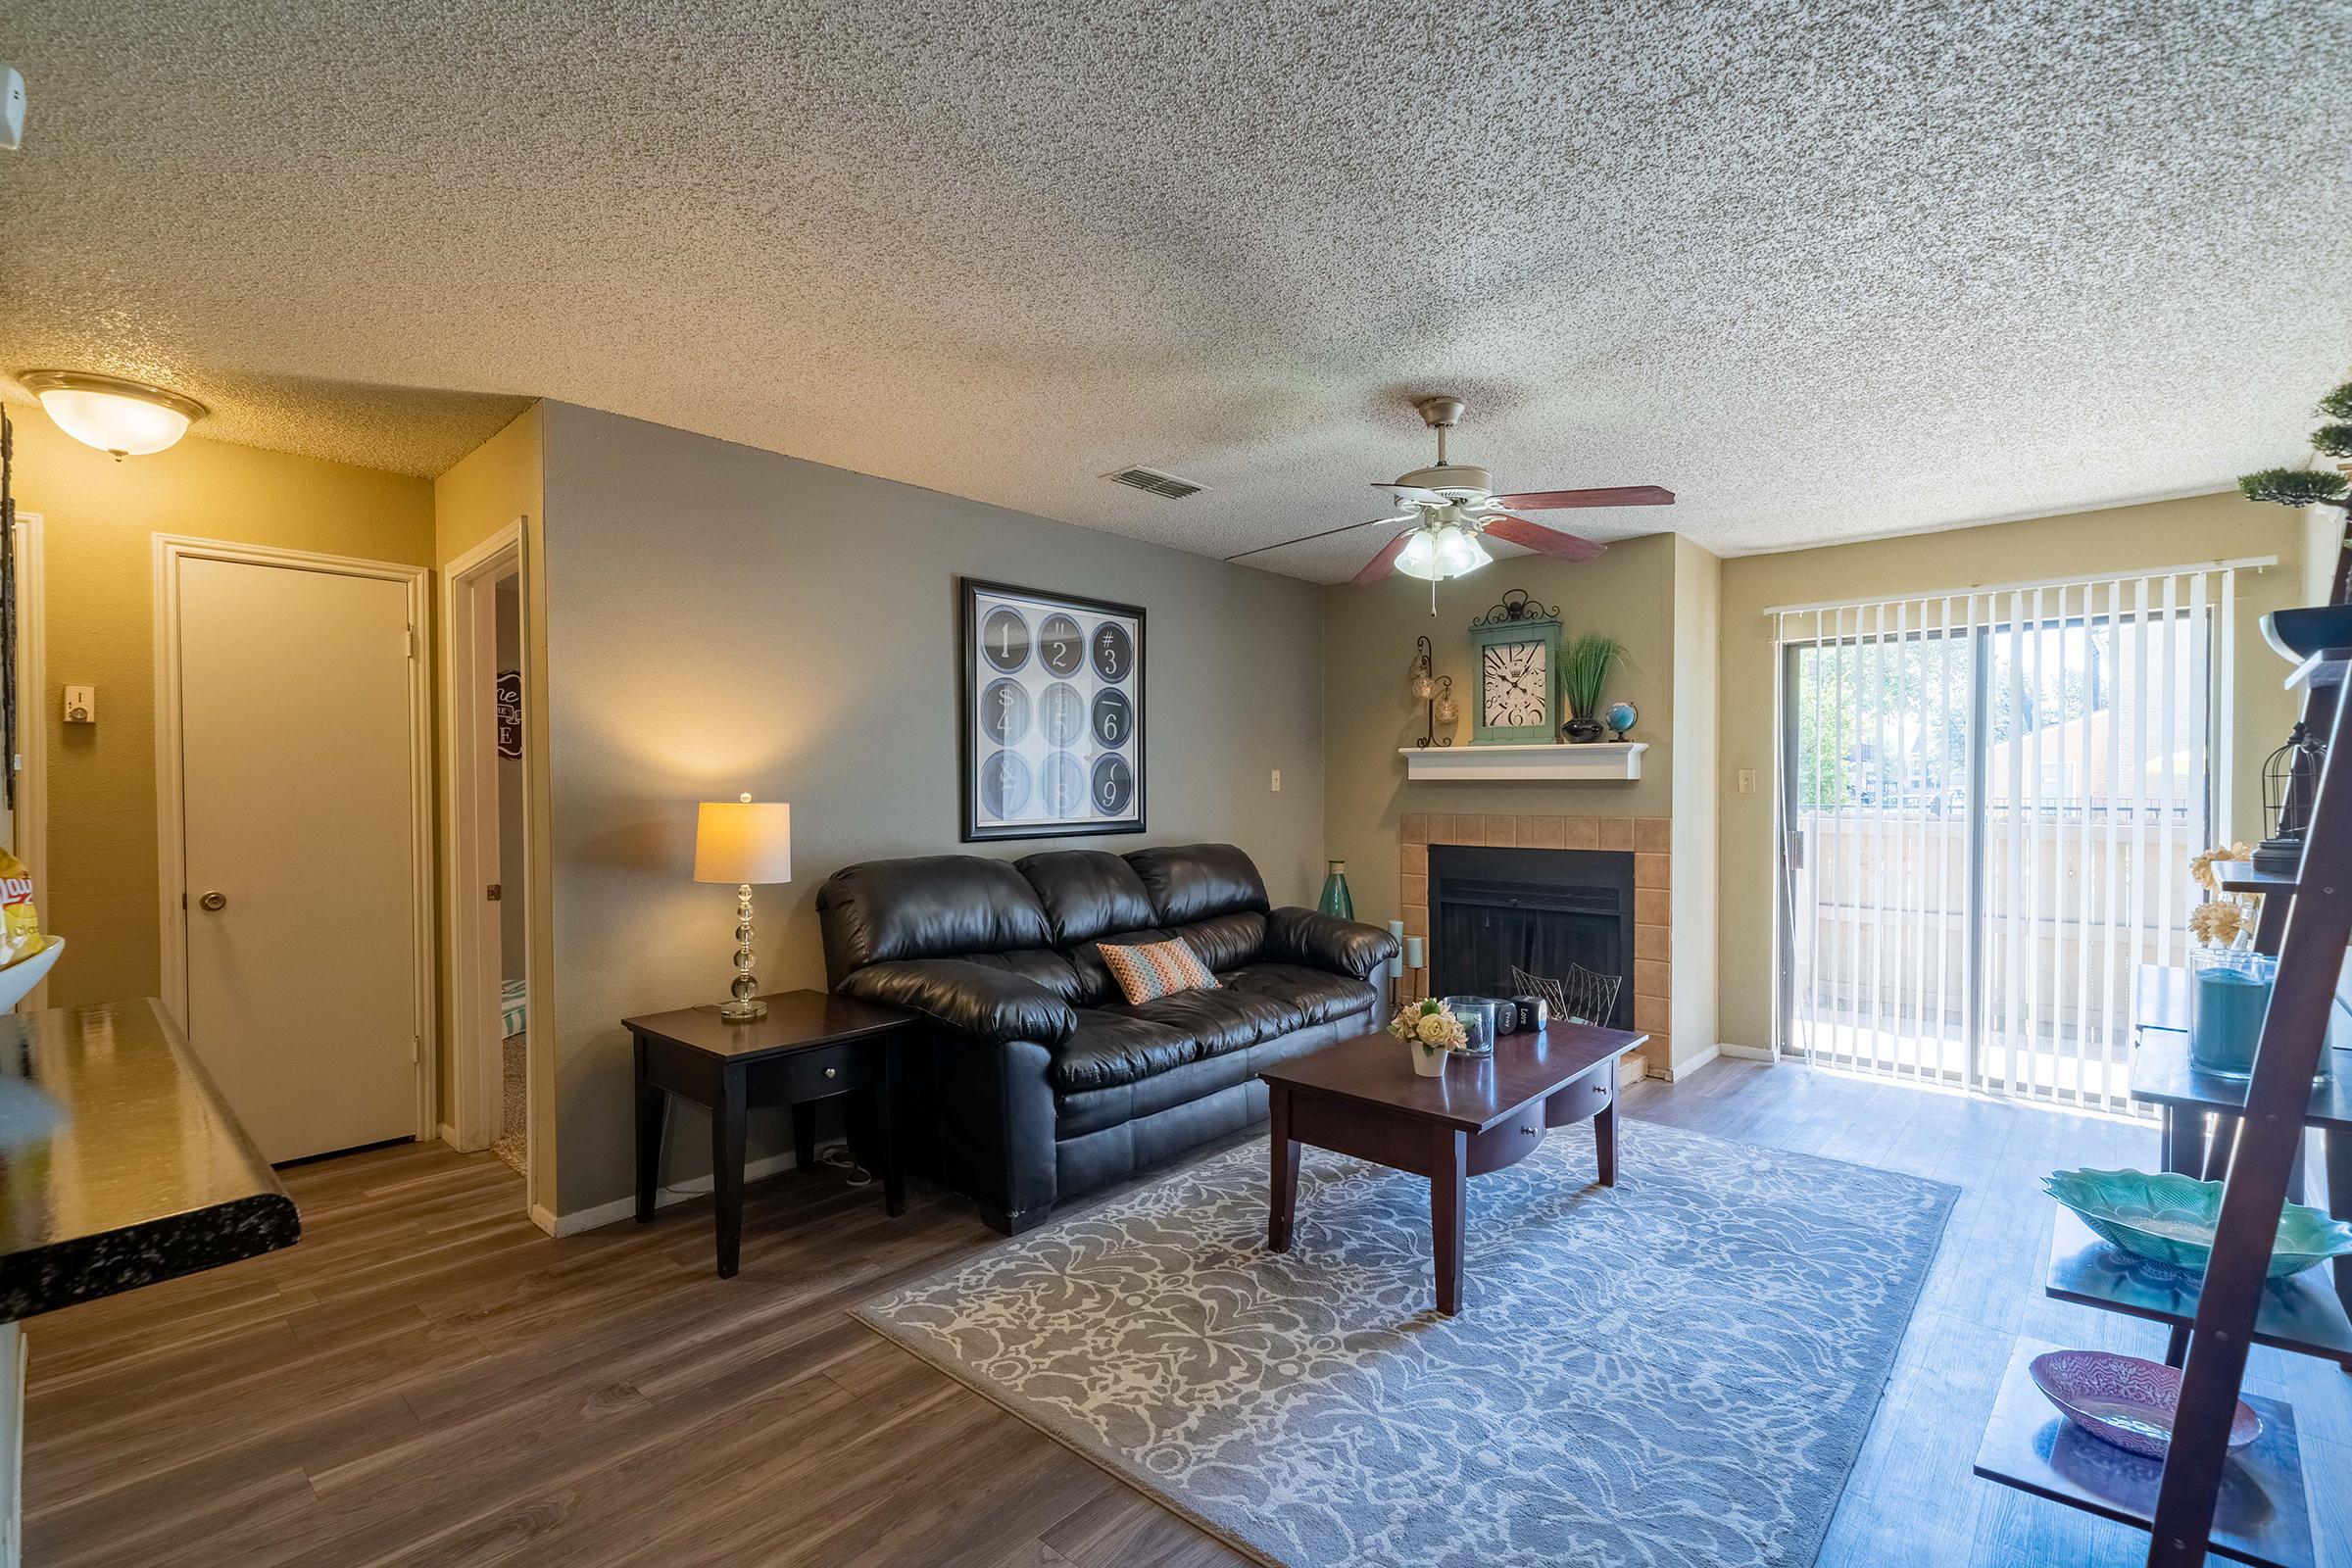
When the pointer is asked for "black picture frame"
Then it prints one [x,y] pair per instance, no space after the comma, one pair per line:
[985,820]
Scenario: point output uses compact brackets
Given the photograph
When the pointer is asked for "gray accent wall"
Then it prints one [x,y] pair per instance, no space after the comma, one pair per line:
[722,618]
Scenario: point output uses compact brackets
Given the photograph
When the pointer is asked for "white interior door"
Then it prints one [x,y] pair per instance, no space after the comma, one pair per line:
[298,817]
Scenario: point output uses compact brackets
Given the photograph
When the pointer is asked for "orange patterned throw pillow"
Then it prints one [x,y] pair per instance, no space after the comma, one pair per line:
[1155,970]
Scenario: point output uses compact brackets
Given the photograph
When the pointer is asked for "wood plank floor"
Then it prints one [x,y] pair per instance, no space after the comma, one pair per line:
[427,1378]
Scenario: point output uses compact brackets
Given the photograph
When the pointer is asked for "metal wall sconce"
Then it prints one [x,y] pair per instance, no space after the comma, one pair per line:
[1436,692]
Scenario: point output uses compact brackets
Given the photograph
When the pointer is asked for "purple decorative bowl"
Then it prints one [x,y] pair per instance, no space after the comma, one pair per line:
[2124,1399]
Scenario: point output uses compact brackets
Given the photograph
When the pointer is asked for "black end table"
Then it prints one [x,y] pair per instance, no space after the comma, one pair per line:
[810,1047]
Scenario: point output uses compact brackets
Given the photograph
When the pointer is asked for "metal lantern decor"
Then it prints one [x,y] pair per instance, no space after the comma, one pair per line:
[1434,692]
[2290,777]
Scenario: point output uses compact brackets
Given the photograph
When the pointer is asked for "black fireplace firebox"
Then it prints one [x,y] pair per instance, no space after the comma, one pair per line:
[1541,909]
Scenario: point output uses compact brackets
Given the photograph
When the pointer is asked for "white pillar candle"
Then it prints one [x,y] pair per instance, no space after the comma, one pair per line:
[1396,964]
[1412,953]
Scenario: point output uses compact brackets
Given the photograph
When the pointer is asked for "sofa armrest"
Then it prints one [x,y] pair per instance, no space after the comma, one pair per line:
[1327,942]
[992,1004]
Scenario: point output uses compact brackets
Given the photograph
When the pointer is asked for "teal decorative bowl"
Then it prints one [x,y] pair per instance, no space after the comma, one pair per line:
[2170,1218]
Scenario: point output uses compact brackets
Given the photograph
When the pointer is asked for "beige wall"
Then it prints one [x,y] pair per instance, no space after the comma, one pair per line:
[2168,533]
[1696,868]
[1629,593]
[99,518]
[722,618]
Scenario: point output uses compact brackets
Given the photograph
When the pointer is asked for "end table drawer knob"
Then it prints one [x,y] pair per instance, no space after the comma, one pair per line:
[832,1072]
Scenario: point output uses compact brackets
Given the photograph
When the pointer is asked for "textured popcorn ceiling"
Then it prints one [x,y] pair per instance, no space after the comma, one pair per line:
[1826,269]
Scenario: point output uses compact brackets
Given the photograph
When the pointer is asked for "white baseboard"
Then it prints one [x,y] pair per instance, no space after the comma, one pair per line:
[620,1208]
[1677,1071]
[1752,1053]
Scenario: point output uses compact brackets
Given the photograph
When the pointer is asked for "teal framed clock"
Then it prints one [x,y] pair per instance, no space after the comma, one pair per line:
[1516,647]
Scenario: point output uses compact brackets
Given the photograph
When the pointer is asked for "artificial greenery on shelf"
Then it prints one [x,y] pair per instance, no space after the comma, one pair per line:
[2309,487]
[1584,670]
[2292,487]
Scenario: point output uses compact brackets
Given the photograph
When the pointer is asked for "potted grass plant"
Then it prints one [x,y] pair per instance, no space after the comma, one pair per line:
[1585,666]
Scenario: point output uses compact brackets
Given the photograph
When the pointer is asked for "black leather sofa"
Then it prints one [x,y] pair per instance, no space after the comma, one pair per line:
[1038,1082]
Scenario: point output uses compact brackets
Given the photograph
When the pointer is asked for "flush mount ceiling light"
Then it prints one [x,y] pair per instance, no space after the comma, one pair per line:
[125,417]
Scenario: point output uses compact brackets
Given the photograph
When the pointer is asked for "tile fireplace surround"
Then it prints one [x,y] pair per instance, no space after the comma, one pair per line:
[1646,838]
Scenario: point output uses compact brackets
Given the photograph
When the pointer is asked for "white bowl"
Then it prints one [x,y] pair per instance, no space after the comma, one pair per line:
[18,979]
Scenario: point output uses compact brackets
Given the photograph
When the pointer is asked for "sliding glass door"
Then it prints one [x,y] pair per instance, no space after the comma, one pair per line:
[1988,800]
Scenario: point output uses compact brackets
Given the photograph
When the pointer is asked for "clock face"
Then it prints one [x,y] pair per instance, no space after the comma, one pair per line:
[1516,685]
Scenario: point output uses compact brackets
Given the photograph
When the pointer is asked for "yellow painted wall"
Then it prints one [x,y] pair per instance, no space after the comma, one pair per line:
[2161,534]
[99,517]
[1368,713]
[501,481]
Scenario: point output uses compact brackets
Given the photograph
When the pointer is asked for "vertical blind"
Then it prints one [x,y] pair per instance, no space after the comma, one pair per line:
[1987,799]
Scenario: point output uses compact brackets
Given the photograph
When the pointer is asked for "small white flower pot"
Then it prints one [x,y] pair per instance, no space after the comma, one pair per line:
[1428,1062]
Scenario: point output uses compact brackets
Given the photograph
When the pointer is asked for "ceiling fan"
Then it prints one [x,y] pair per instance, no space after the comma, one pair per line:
[1453,505]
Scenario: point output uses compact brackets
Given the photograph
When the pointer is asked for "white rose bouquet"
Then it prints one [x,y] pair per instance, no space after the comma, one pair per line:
[1428,1024]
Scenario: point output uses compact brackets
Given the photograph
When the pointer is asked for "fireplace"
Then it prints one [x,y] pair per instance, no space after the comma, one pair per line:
[1542,909]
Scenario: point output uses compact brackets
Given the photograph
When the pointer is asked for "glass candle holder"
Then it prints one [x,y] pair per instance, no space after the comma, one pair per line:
[2229,993]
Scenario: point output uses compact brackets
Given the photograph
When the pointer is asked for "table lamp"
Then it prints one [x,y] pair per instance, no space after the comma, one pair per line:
[743,841]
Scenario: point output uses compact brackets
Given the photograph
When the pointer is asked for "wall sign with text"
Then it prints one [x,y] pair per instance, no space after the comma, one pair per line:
[1052,715]
[510,713]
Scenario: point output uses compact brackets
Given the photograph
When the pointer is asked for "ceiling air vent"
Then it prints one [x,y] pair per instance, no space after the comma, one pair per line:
[1165,485]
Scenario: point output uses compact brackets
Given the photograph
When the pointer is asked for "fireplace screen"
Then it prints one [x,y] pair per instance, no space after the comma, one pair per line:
[1540,911]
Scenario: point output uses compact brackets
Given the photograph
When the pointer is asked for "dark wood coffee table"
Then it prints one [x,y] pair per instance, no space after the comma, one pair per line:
[1362,1098]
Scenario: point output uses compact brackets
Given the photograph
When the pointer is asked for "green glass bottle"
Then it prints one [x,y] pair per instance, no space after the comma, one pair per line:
[1336,897]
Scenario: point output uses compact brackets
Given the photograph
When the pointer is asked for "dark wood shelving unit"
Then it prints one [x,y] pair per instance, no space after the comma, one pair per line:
[2300,1314]
[2262,1514]
[2247,1506]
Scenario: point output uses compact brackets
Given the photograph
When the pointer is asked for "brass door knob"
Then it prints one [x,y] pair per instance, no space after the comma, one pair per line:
[213,901]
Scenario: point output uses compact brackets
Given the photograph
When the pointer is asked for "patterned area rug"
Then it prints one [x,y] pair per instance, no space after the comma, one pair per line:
[1673,1373]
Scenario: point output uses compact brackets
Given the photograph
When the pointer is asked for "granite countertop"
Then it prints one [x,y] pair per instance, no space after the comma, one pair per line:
[120,1162]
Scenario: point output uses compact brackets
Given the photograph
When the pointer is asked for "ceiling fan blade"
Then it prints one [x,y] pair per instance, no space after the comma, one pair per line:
[1343,527]
[1551,542]
[1382,564]
[1412,492]
[1624,495]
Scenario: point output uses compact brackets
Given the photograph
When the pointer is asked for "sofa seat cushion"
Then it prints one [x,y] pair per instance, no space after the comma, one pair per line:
[1318,994]
[1219,1021]
[1114,1046]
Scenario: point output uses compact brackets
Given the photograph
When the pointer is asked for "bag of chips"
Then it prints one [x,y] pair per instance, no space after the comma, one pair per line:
[20,922]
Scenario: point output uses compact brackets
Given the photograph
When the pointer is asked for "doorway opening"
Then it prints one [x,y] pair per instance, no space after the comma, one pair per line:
[494,1001]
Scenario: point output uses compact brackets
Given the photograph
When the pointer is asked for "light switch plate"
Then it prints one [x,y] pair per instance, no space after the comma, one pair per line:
[82,705]
[1278,781]
[1747,781]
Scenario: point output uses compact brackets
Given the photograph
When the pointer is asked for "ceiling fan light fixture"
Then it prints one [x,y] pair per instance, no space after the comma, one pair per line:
[1460,553]
[1434,554]
[127,418]
[1419,557]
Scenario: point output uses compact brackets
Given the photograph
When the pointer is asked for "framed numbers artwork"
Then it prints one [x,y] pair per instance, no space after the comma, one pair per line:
[1052,715]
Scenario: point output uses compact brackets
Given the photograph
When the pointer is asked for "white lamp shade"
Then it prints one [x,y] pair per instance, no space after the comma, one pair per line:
[124,417]
[743,841]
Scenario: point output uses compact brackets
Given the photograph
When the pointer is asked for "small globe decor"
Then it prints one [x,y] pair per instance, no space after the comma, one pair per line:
[1620,717]
[1430,1030]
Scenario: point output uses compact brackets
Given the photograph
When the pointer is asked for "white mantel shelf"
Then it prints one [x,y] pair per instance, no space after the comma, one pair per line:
[1600,759]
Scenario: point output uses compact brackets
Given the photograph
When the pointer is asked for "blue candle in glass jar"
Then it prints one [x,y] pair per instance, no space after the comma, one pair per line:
[2230,992]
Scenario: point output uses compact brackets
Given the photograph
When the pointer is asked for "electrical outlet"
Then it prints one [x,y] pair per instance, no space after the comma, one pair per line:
[1278,781]
[82,705]
[1747,781]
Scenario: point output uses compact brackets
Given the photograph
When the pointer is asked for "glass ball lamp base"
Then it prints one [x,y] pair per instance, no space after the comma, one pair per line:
[746,1007]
